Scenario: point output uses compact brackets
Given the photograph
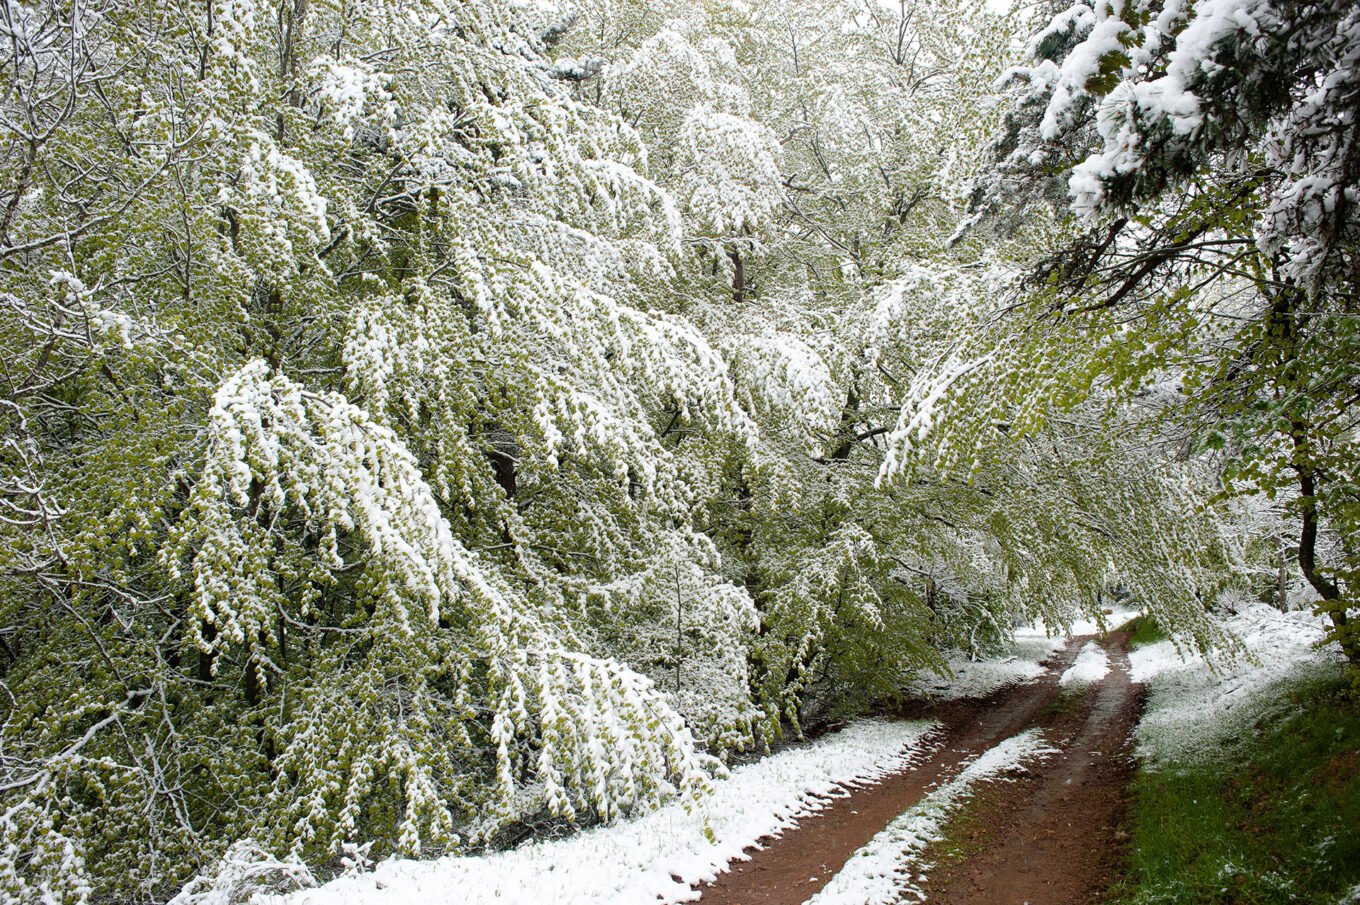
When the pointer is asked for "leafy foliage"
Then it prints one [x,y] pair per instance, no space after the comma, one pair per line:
[425,419]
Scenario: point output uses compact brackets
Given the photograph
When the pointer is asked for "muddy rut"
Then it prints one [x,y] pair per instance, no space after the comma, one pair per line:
[1052,838]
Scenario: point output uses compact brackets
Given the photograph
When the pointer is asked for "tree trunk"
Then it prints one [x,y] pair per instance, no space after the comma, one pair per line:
[738,276]
[1331,604]
[1283,328]
[846,429]
[1282,579]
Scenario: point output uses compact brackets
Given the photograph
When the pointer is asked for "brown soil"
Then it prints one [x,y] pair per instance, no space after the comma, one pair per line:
[1050,839]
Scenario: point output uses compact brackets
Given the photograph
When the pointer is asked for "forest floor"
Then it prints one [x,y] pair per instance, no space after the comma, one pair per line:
[1007,781]
[1051,833]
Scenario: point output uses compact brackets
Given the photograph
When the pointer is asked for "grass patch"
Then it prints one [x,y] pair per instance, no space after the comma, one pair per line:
[1145,631]
[964,834]
[1274,822]
[1067,703]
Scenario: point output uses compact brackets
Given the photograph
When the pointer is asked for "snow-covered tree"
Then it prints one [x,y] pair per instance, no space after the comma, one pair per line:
[1208,156]
[422,419]
[337,388]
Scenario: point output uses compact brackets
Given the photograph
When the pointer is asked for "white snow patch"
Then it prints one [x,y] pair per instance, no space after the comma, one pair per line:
[656,858]
[1194,707]
[976,678]
[1092,665]
[888,868]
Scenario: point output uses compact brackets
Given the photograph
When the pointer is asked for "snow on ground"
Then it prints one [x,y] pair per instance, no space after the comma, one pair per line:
[889,867]
[975,679]
[1017,663]
[1195,707]
[1090,626]
[637,861]
[1091,665]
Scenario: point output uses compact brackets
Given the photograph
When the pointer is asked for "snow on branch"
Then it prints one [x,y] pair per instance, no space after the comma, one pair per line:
[443,639]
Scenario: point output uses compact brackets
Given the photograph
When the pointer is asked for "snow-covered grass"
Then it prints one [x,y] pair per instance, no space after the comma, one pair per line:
[656,858]
[889,867]
[1247,789]
[1194,706]
[1091,665]
[975,679]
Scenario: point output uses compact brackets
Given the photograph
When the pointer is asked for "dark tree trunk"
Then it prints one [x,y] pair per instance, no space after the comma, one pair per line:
[205,657]
[846,429]
[738,276]
[503,452]
[1282,579]
[1284,331]
[1332,603]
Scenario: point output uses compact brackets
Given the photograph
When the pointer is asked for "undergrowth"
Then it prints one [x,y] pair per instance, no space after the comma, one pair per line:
[1274,821]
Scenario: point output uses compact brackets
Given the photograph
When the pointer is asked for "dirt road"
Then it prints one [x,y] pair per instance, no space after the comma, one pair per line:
[1052,838]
